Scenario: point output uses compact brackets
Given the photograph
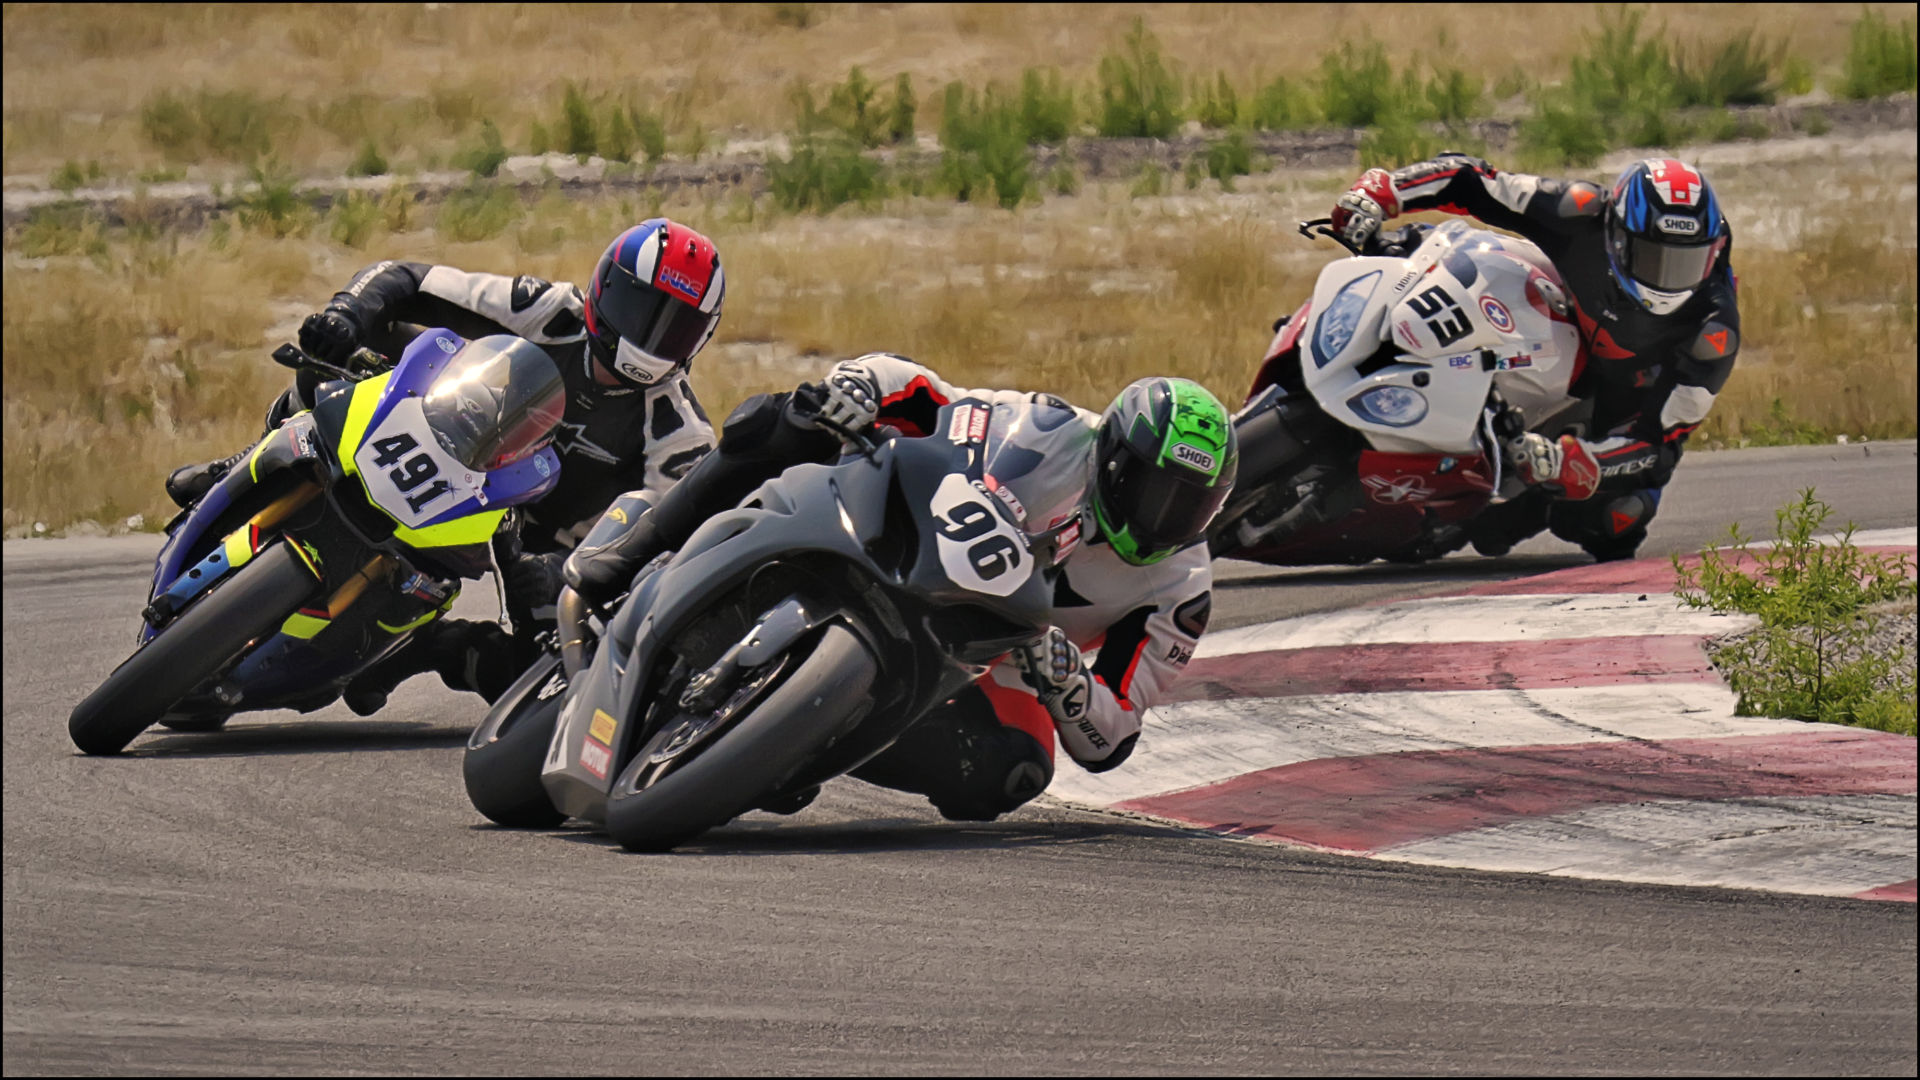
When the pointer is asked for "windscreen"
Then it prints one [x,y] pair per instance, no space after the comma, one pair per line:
[1039,458]
[496,402]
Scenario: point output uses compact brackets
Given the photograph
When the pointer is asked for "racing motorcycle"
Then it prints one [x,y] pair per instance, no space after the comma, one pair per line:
[792,638]
[1378,424]
[344,530]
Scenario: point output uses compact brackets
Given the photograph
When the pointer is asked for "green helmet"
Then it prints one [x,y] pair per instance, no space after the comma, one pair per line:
[1163,467]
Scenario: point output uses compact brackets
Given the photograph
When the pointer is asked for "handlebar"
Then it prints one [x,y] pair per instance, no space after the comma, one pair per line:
[362,362]
[1324,227]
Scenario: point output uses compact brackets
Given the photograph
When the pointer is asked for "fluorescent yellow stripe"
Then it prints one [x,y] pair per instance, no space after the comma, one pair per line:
[253,459]
[472,529]
[366,396]
[303,626]
[307,555]
[237,548]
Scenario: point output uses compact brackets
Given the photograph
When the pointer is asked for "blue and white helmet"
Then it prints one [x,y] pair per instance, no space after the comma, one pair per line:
[654,301]
[1665,233]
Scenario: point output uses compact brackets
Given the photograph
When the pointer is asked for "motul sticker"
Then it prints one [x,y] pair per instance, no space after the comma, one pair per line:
[595,758]
[602,727]
[1188,454]
[960,429]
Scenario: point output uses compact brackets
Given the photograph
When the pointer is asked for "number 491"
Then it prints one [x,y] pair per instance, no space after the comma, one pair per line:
[413,472]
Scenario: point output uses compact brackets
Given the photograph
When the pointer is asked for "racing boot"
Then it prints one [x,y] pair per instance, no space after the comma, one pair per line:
[1495,532]
[1607,529]
[476,656]
[188,484]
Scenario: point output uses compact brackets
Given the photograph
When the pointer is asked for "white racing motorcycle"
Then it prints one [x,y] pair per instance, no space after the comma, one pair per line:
[1378,424]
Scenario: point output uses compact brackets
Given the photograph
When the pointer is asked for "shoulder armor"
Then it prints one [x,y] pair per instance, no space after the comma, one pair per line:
[1582,198]
[1716,341]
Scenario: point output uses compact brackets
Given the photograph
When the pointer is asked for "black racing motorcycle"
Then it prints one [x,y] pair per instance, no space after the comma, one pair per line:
[795,636]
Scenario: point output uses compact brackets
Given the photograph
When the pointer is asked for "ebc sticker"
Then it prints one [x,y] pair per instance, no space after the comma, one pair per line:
[1497,314]
[407,472]
[979,548]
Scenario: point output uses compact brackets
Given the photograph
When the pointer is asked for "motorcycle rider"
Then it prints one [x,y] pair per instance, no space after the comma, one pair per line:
[1647,264]
[623,346]
[1161,462]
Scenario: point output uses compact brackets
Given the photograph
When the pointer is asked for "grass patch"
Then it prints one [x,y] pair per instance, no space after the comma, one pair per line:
[983,141]
[1139,88]
[1881,57]
[1812,656]
[368,162]
[478,211]
[234,125]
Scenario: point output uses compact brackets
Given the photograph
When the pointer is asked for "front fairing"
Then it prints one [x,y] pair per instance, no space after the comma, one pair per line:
[877,517]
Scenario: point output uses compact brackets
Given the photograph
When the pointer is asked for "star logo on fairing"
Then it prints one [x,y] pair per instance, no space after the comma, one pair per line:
[572,439]
[1398,490]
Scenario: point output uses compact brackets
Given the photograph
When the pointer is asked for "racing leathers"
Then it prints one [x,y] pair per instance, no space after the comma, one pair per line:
[991,748]
[612,439]
[1651,378]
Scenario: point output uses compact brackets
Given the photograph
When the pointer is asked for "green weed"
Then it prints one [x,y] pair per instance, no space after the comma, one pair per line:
[61,229]
[478,211]
[353,220]
[1809,659]
[368,161]
[1356,84]
[271,205]
[1046,107]
[826,170]
[484,159]
[901,110]
[1228,158]
[579,135]
[236,125]
[1217,105]
[984,144]
[1742,71]
[1881,58]
[1139,90]
[1281,105]
[650,131]
[1150,181]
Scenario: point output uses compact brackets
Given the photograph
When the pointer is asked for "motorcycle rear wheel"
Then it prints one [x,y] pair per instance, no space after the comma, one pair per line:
[193,647]
[817,703]
[503,761]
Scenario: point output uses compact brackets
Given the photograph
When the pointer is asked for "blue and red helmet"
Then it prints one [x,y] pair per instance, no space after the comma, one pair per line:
[654,301]
[1665,233]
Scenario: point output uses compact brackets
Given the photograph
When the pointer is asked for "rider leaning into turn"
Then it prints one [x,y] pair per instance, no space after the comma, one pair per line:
[1161,462]
[1647,263]
[632,424]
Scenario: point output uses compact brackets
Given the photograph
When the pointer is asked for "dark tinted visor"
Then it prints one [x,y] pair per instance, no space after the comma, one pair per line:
[497,401]
[1667,267]
[1159,507]
[659,324]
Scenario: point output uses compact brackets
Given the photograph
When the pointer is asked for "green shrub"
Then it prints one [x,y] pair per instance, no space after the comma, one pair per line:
[368,161]
[851,108]
[1622,91]
[272,205]
[650,130]
[1194,171]
[579,135]
[1228,158]
[478,211]
[485,159]
[539,141]
[1065,177]
[1395,142]
[826,170]
[1742,71]
[1796,76]
[1150,181]
[353,219]
[1809,659]
[1217,105]
[983,142]
[1356,84]
[61,229]
[237,125]
[1880,58]
[68,177]
[900,111]
[1454,95]
[1281,105]
[1046,108]
[1139,90]
[1780,429]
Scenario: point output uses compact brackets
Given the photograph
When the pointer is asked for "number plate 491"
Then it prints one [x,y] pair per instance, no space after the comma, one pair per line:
[408,474]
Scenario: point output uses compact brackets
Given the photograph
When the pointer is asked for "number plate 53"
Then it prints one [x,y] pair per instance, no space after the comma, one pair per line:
[979,549]
[407,473]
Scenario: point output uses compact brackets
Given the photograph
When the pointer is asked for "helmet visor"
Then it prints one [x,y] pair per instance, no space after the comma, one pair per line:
[1667,267]
[656,323]
[497,402]
[1159,507]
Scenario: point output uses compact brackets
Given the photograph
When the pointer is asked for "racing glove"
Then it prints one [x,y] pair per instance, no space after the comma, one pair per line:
[850,398]
[1059,678]
[1566,468]
[1365,207]
[332,335]
[532,584]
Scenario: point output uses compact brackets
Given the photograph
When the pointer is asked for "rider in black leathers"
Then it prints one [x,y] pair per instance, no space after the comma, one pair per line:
[1647,264]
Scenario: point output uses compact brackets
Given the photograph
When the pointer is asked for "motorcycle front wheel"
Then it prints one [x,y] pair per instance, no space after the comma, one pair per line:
[823,697]
[192,648]
[507,751]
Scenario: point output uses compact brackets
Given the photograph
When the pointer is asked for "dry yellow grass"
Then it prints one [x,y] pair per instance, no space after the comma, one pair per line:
[418,77]
[122,364]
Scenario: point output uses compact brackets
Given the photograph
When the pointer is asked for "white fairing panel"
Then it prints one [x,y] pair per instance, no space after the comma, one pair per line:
[1468,311]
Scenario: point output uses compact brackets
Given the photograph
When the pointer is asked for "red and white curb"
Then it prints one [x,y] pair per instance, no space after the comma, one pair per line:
[1567,723]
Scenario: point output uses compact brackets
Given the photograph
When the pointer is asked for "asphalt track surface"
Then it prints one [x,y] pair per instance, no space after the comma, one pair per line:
[315,895]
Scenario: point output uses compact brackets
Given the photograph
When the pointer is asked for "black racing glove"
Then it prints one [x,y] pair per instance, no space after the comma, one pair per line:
[332,335]
[532,585]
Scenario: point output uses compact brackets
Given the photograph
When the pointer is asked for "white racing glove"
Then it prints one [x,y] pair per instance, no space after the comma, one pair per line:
[1566,466]
[1053,668]
[852,398]
[1365,206]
